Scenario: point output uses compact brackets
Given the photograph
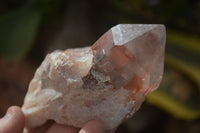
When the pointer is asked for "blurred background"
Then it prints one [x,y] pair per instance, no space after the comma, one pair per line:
[29,29]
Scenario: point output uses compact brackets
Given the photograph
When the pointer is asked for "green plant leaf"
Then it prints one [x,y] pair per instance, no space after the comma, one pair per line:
[185,41]
[179,91]
[172,106]
[193,72]
[17,33]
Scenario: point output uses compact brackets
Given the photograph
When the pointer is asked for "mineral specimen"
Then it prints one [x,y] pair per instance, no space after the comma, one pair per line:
[107,82]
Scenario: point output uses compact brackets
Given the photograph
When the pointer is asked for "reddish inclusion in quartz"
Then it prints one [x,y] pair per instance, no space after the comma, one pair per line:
[135,84]
[119,57]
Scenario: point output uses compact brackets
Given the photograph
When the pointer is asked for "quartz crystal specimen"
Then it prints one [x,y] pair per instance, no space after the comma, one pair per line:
[107,82]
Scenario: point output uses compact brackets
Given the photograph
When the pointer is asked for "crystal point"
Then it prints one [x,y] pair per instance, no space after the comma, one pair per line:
[107,82]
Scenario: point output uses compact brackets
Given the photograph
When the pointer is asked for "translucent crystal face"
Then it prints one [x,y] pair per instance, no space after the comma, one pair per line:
[123,33]
[132,49]
[107,82]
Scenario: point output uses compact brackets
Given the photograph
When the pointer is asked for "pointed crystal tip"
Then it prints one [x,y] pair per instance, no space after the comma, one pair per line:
[124,33]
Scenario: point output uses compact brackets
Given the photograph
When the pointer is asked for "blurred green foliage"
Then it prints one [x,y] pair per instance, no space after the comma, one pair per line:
[18,32]
[179,91]
[182,57]
[19,27]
